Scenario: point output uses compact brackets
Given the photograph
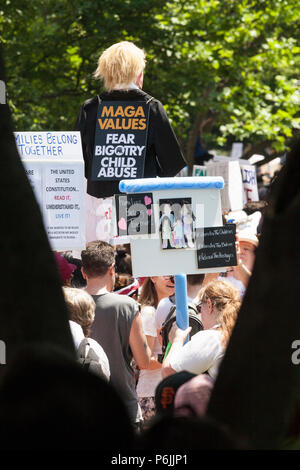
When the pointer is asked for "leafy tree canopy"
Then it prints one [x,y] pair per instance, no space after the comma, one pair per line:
[226,69]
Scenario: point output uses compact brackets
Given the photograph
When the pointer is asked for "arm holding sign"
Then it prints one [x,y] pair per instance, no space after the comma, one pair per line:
[177,338]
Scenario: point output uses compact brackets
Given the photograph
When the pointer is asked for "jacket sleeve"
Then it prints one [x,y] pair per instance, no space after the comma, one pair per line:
[168,153]
[80,125]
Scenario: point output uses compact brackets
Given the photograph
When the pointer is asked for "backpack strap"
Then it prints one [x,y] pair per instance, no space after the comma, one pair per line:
[83,349]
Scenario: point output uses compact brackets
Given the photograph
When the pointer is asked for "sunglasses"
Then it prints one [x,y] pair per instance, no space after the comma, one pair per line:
[198,306]
[171,278]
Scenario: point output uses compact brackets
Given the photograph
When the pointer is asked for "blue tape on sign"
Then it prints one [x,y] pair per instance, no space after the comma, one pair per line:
[182,319]
[156,184]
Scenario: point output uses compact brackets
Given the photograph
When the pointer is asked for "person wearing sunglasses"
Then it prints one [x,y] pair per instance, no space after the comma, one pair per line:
[219,303]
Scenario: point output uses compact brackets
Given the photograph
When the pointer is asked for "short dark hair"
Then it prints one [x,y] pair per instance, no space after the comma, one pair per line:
[97,258]
[194,279]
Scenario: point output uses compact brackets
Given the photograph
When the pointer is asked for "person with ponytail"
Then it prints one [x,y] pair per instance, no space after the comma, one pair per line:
[219,302]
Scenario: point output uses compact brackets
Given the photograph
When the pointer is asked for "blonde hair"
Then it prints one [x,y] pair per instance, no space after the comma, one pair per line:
[148,295]
[121,63]
[226,302]
[81,307]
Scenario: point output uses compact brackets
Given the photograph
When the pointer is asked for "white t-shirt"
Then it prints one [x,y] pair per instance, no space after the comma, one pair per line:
[149,379]
[203,353]
[162,311]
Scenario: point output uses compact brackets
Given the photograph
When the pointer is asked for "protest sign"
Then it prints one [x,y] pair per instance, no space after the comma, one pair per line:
[199,170]
[54,166]
[120,140]
[183,172]
[233,192]
[237,150]
[216,246]
[183,205]
[250,183]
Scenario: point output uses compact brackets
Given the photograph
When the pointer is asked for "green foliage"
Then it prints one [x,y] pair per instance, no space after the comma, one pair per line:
[234,65]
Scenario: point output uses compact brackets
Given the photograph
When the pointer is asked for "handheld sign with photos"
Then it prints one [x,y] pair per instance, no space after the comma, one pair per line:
[135,214]
[216,246]
[180,206]
[120,140]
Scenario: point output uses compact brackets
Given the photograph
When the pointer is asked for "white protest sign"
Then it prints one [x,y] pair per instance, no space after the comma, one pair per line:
[250,183]
[54,166]
[237,150]
[169,213]
[233,193]
[199,170]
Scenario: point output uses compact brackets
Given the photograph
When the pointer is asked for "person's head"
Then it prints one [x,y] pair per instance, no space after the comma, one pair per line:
[248,244]
[98,261]
[65,269]
[77,279]
[194,279]
[123,261]
[81,308]
[156,288]
[126,285]
[122,63]
[220,303]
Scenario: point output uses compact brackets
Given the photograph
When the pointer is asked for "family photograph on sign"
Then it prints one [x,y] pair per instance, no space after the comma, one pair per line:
[176,223]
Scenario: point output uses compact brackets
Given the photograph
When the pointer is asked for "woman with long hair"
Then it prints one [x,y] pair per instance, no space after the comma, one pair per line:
[154,289]
[219,302]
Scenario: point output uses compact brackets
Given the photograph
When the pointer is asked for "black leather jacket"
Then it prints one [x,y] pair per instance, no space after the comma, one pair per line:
[163,154]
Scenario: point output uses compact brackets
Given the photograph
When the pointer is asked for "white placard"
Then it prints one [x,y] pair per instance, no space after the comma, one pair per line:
[148,257]
[54,166]
[236,150]
[232,195]
[49,146]
[250,183]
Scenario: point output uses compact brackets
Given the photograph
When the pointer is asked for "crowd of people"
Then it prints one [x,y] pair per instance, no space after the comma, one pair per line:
[134,379]
[117,320]
[124,323]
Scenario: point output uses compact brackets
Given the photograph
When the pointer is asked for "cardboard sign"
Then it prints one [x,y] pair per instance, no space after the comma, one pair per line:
[134,214]
[250,183]
[216,246]
[233,192]
[54,165]
[120,140]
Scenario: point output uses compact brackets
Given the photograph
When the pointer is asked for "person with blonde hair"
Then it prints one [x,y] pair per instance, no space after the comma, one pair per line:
[219,302]
[81,308]
[121,68]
